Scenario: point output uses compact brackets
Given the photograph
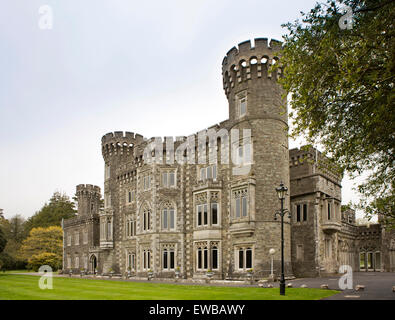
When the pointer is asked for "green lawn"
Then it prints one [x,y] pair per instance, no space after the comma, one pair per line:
[25,287]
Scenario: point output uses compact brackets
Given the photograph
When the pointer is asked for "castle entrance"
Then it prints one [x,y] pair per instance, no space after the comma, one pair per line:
[93,263]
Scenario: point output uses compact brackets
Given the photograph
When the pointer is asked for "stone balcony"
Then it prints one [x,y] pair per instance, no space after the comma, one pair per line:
[331,226]
[242,228]
[208,184]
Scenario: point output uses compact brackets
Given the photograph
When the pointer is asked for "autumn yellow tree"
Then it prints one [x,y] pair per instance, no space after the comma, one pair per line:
[43,246]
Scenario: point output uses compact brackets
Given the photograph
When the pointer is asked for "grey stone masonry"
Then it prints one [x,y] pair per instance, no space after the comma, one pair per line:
[209,215]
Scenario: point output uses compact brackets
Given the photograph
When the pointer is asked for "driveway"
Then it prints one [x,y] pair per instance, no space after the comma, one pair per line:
[378,286]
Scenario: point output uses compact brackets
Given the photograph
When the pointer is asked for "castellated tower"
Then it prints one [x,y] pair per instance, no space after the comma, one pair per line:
[120,150]
[255,102]
[88,199]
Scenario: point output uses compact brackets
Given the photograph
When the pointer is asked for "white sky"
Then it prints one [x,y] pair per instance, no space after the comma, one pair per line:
[151,67]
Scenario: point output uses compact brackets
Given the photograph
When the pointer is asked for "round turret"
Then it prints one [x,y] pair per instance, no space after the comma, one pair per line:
[119,143]
[256,104]
[246,75]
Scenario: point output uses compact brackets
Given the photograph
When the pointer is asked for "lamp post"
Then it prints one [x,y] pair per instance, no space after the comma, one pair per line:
[281,192]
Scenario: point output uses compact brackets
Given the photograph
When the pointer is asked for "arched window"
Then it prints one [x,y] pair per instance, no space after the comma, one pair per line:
[145,218]
[214,258]
[168,217]
[146,259]
[109,228]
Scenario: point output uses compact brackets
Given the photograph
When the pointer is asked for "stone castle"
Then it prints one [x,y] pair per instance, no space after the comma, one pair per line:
[193,217]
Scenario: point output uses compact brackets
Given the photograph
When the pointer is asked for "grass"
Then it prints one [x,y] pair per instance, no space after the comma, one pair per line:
[17,271]
[25,287]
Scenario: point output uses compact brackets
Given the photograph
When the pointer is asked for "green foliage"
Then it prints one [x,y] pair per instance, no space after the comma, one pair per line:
[3,240]
[14,232]
[16,228]
[46,258]
[342,85]
[59,207]
[9,262]
[43,240]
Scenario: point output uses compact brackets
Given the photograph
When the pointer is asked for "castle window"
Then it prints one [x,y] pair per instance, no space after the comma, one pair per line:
[242,104]
[130,196]
[130,227]
[209,172]
[146,259]
[146,223]
[362,260]
[240,204]
[77,239]
[207,256]
[68,262]
[244,258]
[131,261]
[168,219]
[214,258]
[69,240]
[168,179]
[109,228]
[77,262]
[329,211]
[202,218]
[168,259]
[298,213]
[202,258]
[214,213]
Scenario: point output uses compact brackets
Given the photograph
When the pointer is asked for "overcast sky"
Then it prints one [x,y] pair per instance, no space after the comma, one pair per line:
[151,67]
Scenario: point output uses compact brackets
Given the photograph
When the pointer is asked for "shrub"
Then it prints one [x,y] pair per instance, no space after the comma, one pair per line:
[51,259]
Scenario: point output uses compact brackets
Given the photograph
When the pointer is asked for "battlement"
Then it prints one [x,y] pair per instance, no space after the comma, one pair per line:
[311,161]
[122,138]
[248,62]
[87,188]
[120,142]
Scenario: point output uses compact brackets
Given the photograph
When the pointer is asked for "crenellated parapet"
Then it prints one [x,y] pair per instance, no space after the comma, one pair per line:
[303,162]
[250,62]
[119,143]
[88,189]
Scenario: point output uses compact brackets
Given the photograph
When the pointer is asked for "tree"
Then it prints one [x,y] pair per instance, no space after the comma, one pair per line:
[51,214]
[51,259]
[3,240]
[342,86]
[43,241]
[16,230]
